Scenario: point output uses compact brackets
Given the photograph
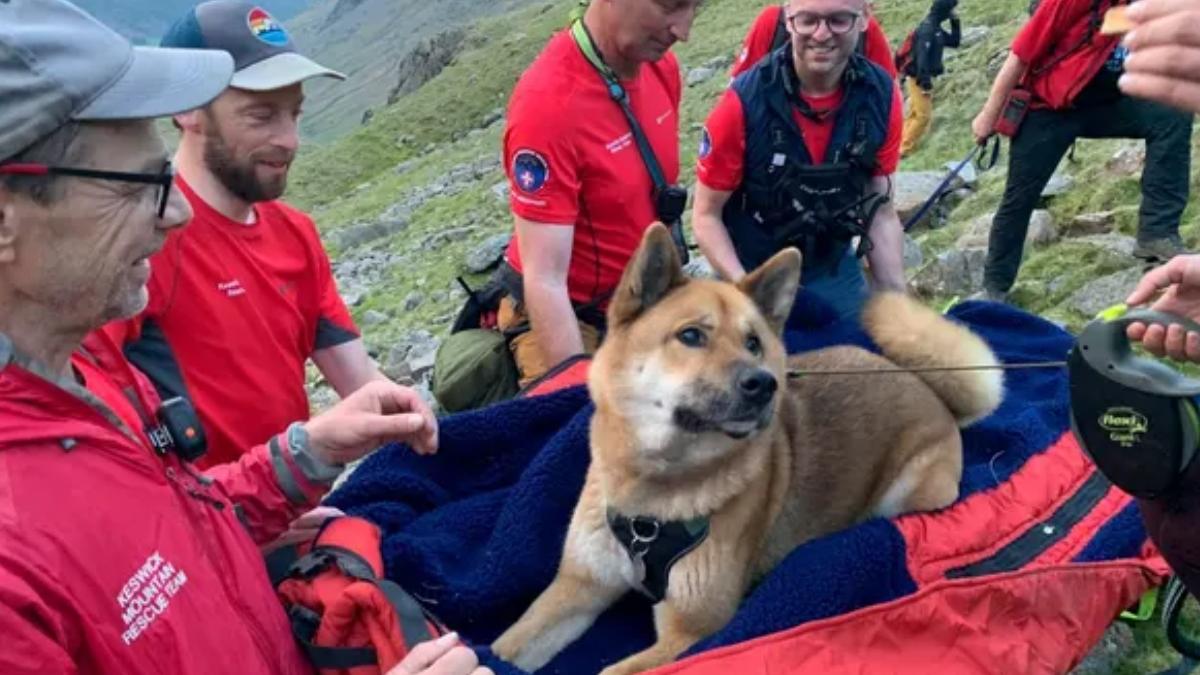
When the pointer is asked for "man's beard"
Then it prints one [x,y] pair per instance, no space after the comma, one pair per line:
[239,177]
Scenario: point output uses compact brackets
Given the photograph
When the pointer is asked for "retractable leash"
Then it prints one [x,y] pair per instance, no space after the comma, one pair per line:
[1139,421]
[985,158]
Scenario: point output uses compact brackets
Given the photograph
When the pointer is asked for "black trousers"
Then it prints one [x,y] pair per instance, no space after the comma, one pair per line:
[1042,141]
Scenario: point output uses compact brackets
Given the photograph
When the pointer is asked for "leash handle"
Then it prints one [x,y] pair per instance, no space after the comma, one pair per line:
[983,161]
[1104,345]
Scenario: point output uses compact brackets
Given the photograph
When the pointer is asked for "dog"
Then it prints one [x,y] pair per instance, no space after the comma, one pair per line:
[700,438]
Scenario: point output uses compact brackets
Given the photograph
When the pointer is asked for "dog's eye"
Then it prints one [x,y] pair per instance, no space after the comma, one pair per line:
[692,337]
[754,345]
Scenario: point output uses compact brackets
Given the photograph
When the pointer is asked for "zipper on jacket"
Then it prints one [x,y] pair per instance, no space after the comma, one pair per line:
[259,634]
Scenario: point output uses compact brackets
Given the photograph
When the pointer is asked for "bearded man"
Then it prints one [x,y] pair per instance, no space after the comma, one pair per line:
[244,297]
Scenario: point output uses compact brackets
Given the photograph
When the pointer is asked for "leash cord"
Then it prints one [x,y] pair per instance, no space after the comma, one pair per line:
[930,369]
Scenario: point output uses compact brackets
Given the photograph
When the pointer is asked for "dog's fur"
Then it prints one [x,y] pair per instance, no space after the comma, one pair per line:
[675,436]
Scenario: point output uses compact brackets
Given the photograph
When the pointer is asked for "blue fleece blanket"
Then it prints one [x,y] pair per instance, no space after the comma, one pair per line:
[476,531]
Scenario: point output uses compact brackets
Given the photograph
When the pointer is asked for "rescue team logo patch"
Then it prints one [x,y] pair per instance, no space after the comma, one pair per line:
[530,171]
[264,27]
[147,594]
[705,144]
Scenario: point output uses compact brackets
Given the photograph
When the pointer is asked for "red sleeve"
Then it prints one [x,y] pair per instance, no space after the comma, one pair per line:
[889,153]
[758,41]
[334,323]
[539,160]
[253,484]
[722,152]
[878,49]
[1047,27]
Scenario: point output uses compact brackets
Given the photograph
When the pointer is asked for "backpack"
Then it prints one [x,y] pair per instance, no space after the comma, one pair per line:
[348,619]
[473,367]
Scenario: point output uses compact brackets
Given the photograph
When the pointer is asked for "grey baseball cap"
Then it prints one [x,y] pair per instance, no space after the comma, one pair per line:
[57,64]
[264,55]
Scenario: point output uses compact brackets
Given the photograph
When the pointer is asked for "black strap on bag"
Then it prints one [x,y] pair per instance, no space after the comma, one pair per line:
[414,621]
[669,200]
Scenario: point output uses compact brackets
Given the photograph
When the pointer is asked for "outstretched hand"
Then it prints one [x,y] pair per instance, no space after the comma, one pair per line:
[1179,284]
[1164,53]
[378,413]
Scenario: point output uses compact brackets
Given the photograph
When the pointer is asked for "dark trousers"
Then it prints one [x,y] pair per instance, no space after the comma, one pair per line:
[1042,141]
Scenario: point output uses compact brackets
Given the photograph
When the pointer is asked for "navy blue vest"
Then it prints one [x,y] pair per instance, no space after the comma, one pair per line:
[786,200]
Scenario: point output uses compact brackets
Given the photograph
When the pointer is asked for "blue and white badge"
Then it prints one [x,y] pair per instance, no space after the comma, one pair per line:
[705,144]
[530,171]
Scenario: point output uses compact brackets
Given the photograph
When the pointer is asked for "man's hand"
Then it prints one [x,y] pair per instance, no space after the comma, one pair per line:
[1179,280]
[444,656]
[1164,53]
[378,413]
[984,126]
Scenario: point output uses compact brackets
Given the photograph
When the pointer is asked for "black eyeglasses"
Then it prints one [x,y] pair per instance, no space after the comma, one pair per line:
[838,23]
[163,179]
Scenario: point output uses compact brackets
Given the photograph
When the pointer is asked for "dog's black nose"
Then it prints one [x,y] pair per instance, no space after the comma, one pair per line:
[757,385]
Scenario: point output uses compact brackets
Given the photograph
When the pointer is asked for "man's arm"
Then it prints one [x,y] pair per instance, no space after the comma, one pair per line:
[545,259]
[347,367]
[887,239]
[34,639]
[1006,80]
[922,48]
[276,482]
[711,233]
[954,37]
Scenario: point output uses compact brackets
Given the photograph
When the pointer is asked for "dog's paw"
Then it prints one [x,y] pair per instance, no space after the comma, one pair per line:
[506,647]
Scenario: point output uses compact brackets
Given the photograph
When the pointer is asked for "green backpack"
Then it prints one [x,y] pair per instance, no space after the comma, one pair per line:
[473,368]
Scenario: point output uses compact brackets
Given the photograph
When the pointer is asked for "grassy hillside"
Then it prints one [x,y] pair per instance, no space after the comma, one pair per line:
[419,149]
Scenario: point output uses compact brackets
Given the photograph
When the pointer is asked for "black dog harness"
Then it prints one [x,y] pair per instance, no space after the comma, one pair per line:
[654,546]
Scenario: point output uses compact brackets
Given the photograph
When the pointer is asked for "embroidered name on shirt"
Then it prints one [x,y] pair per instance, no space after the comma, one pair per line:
[621,143]
[147,594]
[231,288]
[663,117]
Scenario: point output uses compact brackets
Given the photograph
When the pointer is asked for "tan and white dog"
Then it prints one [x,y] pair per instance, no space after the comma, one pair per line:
[697,421]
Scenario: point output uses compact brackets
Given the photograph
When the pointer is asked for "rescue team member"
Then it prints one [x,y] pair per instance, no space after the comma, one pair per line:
[769,32]
[581,194]
[1164,53]
[244,297]
[800,151]
[924,63]
[1071,72]
[117,556]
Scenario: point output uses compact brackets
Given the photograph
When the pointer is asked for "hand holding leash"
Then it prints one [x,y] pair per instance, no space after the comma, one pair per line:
[1179,282]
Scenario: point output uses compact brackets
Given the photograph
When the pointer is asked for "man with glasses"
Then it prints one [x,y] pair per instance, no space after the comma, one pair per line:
[581,190]
[769,32]
[118,556]
[800,151]
[241,299]
[1060,83]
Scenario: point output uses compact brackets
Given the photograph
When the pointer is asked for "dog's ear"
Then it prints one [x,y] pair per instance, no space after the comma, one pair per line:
[650,275]
[773,286]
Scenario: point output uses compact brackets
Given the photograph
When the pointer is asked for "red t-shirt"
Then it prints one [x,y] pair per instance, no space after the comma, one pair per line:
[1055,28]
[719,165]
[570,158]
[762,33]
[235,312]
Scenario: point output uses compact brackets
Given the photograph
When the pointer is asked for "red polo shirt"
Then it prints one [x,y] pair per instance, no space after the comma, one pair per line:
[719,165]
[571,159]
[235,312]
[762,33]
[1059,28]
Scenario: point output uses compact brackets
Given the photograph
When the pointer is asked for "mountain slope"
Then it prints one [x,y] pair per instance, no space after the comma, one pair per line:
[367,39]
[145,21]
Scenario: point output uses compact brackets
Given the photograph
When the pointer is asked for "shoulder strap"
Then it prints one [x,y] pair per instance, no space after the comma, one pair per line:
[1094,22]
[781,33]
[618,94]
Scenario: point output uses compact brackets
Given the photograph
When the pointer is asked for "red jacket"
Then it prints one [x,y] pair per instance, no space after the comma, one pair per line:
[116,560]
[1062,50]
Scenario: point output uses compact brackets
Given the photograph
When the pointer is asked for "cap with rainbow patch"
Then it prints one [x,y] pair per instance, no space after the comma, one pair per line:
[264,55]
